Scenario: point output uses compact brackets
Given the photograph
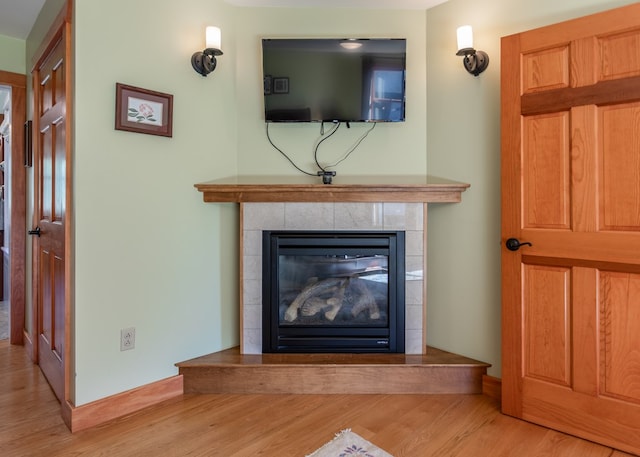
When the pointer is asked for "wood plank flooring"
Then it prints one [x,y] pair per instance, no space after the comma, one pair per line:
[283,425]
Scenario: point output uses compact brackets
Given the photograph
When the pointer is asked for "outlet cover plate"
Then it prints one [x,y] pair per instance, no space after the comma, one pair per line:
[127,338]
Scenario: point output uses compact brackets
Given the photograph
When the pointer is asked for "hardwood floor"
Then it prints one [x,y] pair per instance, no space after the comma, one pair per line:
[235,425]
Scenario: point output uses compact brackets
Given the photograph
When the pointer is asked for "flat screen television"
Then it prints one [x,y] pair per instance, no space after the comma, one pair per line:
[345,80]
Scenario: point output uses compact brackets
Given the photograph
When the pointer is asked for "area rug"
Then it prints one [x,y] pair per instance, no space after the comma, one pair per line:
[349,444]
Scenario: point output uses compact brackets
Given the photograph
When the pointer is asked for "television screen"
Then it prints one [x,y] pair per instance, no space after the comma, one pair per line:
[347,80]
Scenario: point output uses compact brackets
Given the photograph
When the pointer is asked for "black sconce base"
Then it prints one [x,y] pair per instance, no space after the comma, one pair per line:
[476,62]
[205,62]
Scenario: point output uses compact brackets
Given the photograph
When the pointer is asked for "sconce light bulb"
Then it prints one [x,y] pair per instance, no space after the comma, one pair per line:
[465,37]
[213,38]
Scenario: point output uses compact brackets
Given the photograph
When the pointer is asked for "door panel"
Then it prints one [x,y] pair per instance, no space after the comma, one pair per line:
[546,69]
[619,55]
[50,216]
[620,320]
[546,170]
[620,161]
[546,323]
[571,187]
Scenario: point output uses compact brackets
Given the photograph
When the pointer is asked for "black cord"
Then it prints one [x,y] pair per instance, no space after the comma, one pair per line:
[286,156]
[354,147]
[315,152]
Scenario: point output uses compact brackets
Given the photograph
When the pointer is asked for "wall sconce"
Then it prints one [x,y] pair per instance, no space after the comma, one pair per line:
[205,62]
[475,62]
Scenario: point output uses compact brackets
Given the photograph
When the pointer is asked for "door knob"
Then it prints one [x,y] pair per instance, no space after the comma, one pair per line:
[35,231]
[513,244]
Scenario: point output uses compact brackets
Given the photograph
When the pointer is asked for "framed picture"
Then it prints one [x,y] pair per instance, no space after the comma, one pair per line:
[28,144]
[267,84]
[281,85]
[143,111]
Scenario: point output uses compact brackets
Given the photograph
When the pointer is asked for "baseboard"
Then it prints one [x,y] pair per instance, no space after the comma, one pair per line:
[115,406]
[492,387]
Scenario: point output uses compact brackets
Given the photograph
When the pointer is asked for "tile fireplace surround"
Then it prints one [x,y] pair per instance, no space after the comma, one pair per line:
[353,203]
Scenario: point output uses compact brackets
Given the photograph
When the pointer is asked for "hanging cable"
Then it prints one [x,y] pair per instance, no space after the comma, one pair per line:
[326,137]
[353,148]
[285,155]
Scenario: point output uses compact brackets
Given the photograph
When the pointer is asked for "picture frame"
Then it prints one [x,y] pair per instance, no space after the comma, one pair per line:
[281,85]
[268,82]
[28,143]
[143,111]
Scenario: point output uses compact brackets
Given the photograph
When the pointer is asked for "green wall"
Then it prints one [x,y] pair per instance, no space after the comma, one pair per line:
[149,253]
[463,132]
[12,51]
[391,149]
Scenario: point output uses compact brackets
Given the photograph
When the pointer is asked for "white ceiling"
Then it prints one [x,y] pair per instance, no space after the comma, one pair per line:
[372,4]
[18,16]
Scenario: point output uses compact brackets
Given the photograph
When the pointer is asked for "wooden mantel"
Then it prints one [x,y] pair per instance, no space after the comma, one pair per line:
[426,189]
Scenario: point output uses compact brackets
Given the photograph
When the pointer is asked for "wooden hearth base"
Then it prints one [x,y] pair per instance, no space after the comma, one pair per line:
[436,372]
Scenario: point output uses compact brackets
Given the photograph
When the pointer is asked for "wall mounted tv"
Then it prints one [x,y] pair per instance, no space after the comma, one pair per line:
[345,80]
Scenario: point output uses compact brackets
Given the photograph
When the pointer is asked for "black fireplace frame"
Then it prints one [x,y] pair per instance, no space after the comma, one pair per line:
[328,339]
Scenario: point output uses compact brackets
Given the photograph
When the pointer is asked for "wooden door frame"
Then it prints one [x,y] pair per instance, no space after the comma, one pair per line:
[18,217]
[60,29]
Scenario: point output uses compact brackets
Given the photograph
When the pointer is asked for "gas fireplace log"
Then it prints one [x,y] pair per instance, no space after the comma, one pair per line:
[365,300]
[316,290]
[336,304]
[314,305]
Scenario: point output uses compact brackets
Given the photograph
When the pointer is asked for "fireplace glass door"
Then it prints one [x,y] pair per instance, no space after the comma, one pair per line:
[333,292]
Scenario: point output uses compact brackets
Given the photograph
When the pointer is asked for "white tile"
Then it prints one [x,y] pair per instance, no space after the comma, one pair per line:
[359,216]
[413,317]
[252,341]
[308,216]
[252,267]
[413,292]
[403,216]
[413,342]
[252,316]
[414,242]
[252,242]
[414,268]
[252,292]
[263,216]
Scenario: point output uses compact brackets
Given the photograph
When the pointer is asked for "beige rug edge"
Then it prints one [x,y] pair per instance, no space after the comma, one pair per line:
[347,443]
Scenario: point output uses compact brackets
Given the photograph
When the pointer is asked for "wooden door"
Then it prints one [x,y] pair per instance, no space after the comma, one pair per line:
[571,187]
[50,204]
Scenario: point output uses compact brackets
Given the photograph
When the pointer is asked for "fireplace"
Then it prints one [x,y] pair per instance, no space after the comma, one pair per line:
[333,291]
[377,203]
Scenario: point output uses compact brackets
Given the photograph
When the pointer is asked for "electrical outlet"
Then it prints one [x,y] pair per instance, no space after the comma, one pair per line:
[127,338]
